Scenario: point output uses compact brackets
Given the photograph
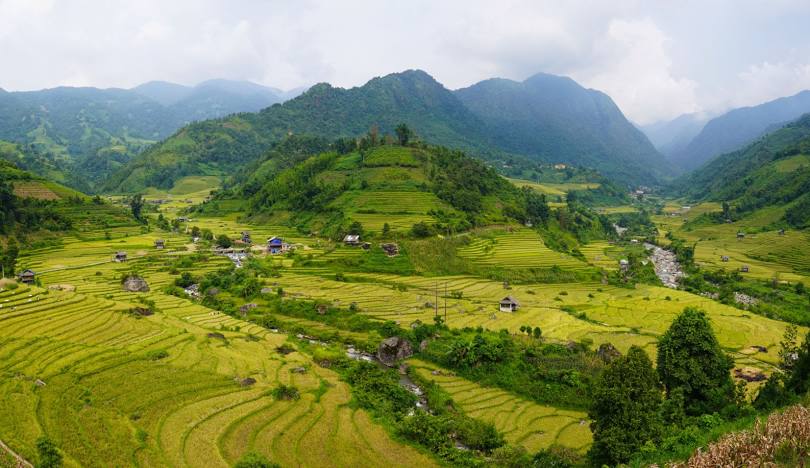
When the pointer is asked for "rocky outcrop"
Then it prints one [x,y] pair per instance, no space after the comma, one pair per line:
[135,284]
[394,349]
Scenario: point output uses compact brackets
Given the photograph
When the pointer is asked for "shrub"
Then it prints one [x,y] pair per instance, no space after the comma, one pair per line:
[255,460]
[49,456]
[286,392]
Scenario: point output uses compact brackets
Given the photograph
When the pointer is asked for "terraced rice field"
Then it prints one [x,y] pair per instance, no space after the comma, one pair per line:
[620,316]
[522,421]
[519,248]
[34,189]
[554,189]
[106,403]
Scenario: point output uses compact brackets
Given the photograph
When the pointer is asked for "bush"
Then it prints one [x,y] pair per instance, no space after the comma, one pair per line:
[255,460]
[286,392]
[49,456]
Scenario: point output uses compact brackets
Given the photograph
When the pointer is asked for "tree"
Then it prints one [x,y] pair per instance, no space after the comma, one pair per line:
[386,229]
[726,210]
[49,456]
[690,359]
[799,380]
[404,134]
[788,349]
[538,333]
[421,229]
[10,257]
[254,460]
[625,408]
[136,205]
[356,228]
[224,241]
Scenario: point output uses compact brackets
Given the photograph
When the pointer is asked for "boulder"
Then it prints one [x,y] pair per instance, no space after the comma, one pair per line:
[394,349]
[135,284]
[607,352]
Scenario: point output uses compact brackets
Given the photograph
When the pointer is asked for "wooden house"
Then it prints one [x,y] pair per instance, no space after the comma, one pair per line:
[744,268]
[508,304]
[27,277]
[160,244]
[724,258]
[352,239]
[246,237]
[624,264]
[120,257]
[740,235]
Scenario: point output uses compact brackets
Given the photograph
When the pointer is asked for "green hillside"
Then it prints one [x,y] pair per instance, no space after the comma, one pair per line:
[588,130]
[398,186]
[554,119]
[773,172]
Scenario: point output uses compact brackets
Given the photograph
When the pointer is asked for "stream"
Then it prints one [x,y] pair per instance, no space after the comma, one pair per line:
[404,380]
[666,265]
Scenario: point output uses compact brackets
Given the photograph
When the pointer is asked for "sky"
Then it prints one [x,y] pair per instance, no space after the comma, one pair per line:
[656,58]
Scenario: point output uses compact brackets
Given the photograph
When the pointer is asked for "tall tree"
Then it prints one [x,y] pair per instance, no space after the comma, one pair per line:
[404,134]
[625,409]
[136,205]
[690,359]
[10,257]
[799,380]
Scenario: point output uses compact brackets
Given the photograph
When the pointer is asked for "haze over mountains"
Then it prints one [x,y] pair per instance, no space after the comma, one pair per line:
[689,141]
[95,131]
[545,118]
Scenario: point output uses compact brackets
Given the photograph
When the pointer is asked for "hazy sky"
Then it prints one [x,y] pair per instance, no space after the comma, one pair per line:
[657,59]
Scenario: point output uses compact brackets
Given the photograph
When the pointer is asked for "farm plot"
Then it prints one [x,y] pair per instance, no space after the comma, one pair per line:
[522,421]
[166,390]
[519,248]
[621,316]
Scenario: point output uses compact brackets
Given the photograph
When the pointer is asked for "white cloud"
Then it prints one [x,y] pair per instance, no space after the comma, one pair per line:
[631,64]
[656,60]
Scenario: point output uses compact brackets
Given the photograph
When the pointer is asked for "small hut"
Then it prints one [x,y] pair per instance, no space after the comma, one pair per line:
[508,304]
[781,232]
[246,237]
[120,257]
[160,244]
[28,277]
[744,268]
[352,239]
[275,245]
[740,235]
[624,264]
[322,308]
[724,258]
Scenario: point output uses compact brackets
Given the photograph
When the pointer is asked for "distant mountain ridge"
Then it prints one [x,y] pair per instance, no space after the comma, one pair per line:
[672,136]
[95,131]
[492,122]
[774,171]
[738,127]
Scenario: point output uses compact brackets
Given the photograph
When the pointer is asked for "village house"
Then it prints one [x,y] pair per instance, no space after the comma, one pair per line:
[560,166]
[724,258]
[740,235]
[276,245]
[508,304]
[120,257]
[624,264]
[322,308]
[781,232]
[352,239]
[27,276]
[160,244]
[246,237]
[744,268]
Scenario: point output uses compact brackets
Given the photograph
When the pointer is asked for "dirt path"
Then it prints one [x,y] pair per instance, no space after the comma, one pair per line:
[21,462]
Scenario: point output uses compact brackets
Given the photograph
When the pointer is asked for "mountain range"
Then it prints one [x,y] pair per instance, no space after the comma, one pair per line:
[546,118]
[95,131]
[690,141]
[774,171]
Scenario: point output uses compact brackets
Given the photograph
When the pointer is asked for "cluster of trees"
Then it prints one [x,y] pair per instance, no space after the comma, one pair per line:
[793,380]
[637,407]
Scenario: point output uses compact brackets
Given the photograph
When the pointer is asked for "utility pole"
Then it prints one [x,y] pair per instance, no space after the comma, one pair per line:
[445,302]
[436,299]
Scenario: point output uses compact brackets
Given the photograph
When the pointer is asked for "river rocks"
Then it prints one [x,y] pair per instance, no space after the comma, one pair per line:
[607,352]
[666,265]
[744,299]
[135,283]
[394,349]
